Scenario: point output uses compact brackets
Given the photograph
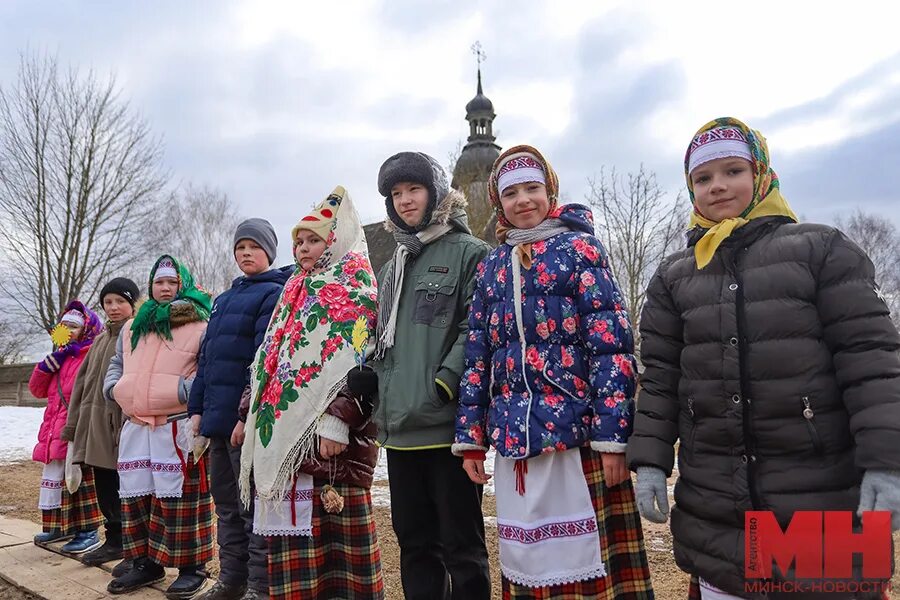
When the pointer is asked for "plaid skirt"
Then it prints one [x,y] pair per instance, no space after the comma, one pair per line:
[172,532]
[621,546]
[341,559]
[79,511]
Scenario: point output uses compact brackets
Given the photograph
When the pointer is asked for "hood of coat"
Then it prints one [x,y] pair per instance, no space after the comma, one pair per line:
[452,210]
[184,312]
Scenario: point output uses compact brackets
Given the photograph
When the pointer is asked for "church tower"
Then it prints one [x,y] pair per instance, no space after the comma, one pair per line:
[473,167]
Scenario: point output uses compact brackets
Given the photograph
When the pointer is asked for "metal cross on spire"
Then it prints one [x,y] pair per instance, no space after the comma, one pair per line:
[480,56]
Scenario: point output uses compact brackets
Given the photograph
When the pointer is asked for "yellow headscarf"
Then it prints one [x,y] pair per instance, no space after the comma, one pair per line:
[767,199]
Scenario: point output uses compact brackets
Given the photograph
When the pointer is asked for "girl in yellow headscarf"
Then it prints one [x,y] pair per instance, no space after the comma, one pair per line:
[771,357]
[730,182]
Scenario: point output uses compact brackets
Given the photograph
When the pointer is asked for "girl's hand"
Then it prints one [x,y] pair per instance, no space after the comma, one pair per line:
[475,470]
[614,469]
[329,448]
[237,436]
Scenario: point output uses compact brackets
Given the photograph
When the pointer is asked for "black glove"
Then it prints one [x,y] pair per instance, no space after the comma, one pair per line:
[362,381]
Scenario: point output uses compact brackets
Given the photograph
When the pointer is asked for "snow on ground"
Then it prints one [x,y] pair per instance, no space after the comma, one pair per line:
[18,432]
[19,428]
[381,494]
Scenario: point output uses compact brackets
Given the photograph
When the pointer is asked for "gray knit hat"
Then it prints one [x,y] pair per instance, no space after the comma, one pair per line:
[415,167]
[261,232]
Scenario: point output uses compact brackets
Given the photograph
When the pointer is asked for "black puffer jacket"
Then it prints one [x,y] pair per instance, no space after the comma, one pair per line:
[785,318]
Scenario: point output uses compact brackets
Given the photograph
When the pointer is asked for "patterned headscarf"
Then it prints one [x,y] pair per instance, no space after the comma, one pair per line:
[154,316]
[551,182]
[93,326]
[767,199]
[303,361]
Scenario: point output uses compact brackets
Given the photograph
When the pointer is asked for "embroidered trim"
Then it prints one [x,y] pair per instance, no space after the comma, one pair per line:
[50,484]
[133,465]
[298,495]
[548,531]
[166,467]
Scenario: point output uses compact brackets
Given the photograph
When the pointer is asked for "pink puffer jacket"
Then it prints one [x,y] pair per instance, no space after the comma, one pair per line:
[152,374]
[47,385]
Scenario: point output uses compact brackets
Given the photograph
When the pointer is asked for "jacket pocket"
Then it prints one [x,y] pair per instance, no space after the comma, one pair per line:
[809,417]
[557,376]
[435,300]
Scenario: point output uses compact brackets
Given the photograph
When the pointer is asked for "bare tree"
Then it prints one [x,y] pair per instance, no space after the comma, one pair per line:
[204,235]
[14,340]
[879,238]
[639,226]
[79,174]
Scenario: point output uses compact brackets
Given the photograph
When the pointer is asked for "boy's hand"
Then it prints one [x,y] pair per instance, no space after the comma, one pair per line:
[195,423]
[475,470]
[237,435]
[614,469]
[329,448]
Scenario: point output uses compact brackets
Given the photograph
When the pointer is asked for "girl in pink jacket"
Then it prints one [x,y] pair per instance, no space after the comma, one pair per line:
[63,514]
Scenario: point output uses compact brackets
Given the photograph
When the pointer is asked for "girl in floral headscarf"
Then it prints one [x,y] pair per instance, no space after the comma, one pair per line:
[770,354]
[310,443]
[549,384]
[62,513]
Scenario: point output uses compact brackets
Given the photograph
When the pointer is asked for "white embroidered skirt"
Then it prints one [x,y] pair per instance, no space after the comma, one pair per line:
[152,459]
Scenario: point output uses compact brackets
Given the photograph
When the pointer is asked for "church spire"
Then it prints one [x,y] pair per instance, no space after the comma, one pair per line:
[480,110]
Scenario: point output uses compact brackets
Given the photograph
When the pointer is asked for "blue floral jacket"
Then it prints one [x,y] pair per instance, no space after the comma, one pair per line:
[574,383]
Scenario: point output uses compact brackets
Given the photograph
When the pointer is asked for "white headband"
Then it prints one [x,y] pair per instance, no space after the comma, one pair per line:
[520,168]
[74,317]
[721,142]
[166,271]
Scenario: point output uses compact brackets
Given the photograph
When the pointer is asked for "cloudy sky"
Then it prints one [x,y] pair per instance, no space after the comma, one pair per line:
[276,102]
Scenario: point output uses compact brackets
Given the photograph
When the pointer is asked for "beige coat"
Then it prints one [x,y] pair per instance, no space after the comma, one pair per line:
[93,422]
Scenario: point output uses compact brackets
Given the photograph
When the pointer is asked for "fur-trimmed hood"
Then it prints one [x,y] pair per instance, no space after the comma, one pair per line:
[182,313]
[452,210]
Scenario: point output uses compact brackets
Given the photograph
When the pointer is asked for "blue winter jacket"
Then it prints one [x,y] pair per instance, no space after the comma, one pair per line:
[236,328]
[574,383]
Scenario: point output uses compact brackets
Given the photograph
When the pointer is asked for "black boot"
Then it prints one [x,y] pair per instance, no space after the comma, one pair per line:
[145,572]
[103,554]
[188,584]
[122,568]
[224,591]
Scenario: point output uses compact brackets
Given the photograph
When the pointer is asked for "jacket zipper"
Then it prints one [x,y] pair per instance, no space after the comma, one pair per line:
[747,424]
[690,402]
[809,419]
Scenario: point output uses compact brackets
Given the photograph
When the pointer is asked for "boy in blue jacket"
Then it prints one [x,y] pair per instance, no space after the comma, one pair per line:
[236,328]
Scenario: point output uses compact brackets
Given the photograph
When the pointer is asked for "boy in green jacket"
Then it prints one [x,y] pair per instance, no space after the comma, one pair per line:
[424,295]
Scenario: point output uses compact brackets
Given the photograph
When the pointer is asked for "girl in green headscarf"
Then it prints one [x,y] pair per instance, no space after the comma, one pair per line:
[166,505]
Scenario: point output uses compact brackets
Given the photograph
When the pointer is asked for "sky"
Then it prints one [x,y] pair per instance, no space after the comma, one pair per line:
[275,103]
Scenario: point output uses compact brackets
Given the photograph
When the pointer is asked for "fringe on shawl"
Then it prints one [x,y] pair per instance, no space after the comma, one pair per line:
[303,449]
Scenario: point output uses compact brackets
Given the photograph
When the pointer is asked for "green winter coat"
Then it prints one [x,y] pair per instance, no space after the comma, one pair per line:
[432,326]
